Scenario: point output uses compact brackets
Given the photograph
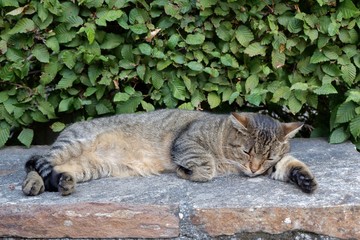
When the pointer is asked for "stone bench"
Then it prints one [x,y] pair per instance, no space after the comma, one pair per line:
[168,207]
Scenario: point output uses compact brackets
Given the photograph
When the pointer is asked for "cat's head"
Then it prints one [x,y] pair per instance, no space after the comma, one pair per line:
[263,142]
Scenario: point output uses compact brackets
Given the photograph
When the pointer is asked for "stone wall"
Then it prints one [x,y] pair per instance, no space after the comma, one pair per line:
[168,207]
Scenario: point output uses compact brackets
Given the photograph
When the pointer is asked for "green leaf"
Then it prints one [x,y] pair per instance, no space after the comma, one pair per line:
[186,106]
[318,57]
[127,52]
[244,35]
[349,36]
[121,97]
[67,80]
[173,41]
[14,55]
[105,15]
[195,66]
[147,106]
[345,112]
[295,25]
[254,98]
[90,91]
[312,34]
[145,49]
[305,67]
[111,41]
[325,89]
[26,136]
[63,35]
[141,70]
[65,104]
[355,126]
[24,25]
[281,93]
[53,44]
[49,73]
[255,49]
[89,29]
[294,104]
[129,106]
[353,95]
[205,3]
[229,61]
[161,65]
[299,86]
[104,107]
[4,133]
[4,95]
[139,28]
[57,126]
[195,39]
[177,88]
[213,100]
[348,73]
[277,59]
[224,31]
[212,71]
[93,72]
[9,3]
[157,79]
[331,69]
[68,57]
[251,83]
[339,135]
[348,9]
[126,64]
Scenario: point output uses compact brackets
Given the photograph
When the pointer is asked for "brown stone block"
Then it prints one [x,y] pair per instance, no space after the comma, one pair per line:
[89,220]
[335,221]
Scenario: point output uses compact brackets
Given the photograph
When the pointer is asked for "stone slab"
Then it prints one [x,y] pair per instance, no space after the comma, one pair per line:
[168,207]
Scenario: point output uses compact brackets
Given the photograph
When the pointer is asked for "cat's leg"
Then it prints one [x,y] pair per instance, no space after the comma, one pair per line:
[33,184]
[42,176]
[289,169]
[193,161]
[196,170]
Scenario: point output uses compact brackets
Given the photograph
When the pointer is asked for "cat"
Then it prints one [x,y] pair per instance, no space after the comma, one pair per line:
[197,145]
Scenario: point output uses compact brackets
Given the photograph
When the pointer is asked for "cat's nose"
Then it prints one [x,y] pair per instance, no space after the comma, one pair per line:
[254,168]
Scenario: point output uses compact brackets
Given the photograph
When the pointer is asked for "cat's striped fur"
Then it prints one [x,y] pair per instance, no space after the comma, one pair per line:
[197,145]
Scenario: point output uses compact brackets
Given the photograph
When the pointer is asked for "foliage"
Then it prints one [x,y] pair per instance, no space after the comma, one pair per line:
[98,57]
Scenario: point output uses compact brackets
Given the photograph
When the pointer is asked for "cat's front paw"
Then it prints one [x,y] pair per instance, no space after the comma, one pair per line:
[33,184]
[303,178]
[66,184]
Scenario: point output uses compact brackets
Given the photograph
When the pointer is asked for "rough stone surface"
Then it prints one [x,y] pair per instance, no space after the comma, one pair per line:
[168,207]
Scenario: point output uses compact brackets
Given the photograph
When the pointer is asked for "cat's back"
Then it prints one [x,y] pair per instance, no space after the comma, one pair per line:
[148,124]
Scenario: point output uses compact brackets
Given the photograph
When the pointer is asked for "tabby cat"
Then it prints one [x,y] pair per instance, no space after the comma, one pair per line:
[196,145]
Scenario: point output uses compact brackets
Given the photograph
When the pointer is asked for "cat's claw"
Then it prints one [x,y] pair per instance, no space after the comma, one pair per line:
[303,179]
[33,184]
[66,184]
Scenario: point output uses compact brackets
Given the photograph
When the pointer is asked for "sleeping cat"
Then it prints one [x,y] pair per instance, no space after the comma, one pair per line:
[198,146]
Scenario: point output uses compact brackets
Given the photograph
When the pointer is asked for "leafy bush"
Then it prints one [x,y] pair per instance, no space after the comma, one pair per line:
[95,57]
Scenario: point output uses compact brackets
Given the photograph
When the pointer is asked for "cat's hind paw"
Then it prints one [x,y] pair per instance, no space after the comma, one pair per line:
[33,184]
[303,178]
[66,184]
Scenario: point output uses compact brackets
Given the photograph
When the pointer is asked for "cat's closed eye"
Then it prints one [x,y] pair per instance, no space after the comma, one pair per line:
[246,152]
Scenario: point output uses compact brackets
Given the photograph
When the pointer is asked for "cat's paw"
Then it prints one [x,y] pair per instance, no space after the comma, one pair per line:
[196,174]
[303,178]
[33,184]
[66,184]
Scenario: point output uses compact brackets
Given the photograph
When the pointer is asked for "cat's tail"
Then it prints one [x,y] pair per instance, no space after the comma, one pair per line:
[44,169]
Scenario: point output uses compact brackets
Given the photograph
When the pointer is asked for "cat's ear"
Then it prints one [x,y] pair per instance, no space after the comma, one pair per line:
[290,129]
[240,121]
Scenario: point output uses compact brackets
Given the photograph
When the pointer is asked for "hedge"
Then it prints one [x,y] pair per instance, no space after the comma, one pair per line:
[297,59]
